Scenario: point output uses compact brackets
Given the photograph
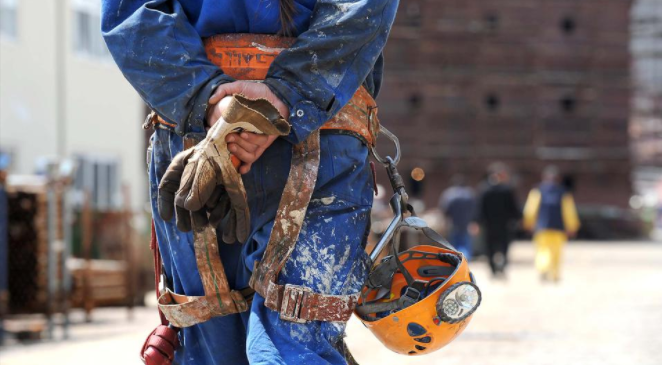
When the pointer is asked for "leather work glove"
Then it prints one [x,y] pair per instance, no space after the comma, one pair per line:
[203,180]
[217,207]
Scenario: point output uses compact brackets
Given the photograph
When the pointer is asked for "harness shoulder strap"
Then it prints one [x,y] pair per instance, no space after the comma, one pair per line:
[296,303]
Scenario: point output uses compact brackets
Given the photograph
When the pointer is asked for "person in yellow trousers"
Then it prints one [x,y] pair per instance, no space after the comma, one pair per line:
[551,215]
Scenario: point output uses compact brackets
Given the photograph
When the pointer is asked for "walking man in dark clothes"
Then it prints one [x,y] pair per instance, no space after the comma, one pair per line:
[498,213]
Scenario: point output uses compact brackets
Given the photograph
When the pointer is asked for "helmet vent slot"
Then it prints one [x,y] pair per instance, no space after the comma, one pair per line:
[435,271]
[426,339]
[414,329]
[450,259]
[420,348]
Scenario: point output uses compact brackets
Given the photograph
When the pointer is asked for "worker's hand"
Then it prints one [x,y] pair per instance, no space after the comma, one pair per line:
[251,90]
[248,147]
[202,185]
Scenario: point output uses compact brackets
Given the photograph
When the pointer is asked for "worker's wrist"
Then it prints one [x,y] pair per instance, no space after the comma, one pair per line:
[201,107]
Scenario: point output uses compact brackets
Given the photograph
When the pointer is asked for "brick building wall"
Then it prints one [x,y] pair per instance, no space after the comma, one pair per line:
[526,82]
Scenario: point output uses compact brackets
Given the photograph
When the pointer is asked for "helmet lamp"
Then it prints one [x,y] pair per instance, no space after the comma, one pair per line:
[458,302]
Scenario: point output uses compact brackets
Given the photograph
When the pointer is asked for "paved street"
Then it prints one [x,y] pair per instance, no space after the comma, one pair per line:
[607,310]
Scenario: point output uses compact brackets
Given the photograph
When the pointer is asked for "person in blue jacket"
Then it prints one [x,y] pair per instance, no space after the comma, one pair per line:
[158,46]
[551,215]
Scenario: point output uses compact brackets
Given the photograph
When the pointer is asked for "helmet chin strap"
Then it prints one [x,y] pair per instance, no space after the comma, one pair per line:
[381,277]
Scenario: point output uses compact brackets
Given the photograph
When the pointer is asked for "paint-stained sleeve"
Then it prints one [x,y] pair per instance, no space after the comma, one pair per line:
[321,72]
[162,56]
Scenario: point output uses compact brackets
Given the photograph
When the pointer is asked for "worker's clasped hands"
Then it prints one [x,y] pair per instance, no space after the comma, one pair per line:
[202,186]
[247,147]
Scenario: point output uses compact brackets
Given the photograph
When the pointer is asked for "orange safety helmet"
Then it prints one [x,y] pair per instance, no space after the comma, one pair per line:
[418,301]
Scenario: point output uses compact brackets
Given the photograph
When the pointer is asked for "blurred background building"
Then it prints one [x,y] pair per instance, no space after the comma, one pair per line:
[529,83]
[73,241]
[61,95]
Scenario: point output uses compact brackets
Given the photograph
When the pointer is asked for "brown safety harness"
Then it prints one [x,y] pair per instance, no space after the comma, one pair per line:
[248,57]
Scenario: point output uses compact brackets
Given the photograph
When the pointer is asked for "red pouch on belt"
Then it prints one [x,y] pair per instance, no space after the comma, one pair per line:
[159,347]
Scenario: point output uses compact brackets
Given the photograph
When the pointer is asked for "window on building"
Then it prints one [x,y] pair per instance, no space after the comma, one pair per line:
[568,25]
[491,22]
[415,102]
[8,18]
[568,104]
[492,102]
[87,28]
[98,176]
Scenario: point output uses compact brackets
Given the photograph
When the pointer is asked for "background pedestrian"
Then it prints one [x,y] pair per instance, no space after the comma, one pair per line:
[498,213]
[458,204]
[551,214]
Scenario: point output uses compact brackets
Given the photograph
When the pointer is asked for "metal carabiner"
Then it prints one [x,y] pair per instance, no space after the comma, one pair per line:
[394,139]
[396,206]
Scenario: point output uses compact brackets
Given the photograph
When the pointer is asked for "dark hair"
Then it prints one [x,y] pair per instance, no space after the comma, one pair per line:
[286,17]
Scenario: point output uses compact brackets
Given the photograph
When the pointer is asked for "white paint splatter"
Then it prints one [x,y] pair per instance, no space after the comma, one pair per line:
[328,200]
[264,48]
[285,224]
[297,216]
[300,333]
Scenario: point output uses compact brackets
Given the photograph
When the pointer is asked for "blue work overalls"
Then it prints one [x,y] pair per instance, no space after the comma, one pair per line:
[157,45]
[328,258]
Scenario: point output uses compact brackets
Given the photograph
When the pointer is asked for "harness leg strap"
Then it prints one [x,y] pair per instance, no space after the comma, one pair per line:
[219,299]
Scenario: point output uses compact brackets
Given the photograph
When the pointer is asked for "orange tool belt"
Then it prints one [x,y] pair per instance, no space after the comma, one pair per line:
[248,57]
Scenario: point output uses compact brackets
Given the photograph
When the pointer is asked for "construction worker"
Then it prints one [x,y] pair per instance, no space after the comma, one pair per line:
[551,215]
[158,45]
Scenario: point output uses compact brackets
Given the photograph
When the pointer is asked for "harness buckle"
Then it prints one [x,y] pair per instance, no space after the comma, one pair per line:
[409,297]
[293,300]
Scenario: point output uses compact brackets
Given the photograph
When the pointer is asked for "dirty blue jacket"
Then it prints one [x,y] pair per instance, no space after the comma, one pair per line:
[157,45]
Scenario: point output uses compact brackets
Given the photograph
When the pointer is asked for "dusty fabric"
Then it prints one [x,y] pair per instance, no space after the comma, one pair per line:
[338,48]
[297,303]
[329,258]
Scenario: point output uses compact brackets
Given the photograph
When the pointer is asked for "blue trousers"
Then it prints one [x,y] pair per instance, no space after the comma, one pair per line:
[461,239]
[329,256]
